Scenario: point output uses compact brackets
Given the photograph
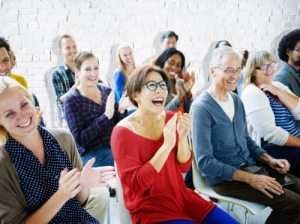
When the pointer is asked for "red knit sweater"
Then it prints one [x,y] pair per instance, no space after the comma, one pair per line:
[149,196]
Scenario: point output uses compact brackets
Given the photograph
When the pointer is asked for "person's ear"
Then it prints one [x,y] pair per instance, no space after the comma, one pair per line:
[288,52]
[212,72]
[136,97]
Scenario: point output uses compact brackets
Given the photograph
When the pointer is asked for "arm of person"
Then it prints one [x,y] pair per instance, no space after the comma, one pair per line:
[119,79]
[83,133]
[68,188]
[261,117]
[58,88]
[133,170]
[173,103]
[184,153]
[288,99]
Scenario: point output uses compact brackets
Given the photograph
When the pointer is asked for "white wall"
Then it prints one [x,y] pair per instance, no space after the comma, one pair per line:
[34,26]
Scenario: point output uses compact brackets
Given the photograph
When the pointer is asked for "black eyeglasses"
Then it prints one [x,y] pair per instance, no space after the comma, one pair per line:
[297,49]
[266,66]
[152,85]
[231,71]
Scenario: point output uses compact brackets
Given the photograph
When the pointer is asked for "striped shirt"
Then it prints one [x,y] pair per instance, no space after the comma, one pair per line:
[283,119]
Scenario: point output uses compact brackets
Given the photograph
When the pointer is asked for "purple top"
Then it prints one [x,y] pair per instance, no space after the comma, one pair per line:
[87,122]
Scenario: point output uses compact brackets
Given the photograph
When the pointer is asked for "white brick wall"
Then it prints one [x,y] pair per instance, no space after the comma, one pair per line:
[34,26]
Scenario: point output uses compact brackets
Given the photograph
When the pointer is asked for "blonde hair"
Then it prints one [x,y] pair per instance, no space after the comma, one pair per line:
[120,63]
[255,59]
[6,83]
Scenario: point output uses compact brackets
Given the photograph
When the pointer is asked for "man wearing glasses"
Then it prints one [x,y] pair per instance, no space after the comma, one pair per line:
[289,52]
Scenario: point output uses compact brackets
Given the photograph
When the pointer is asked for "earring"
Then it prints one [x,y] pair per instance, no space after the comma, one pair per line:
[137,101]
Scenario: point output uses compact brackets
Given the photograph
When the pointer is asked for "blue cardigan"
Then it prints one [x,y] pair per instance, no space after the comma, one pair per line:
[220,146]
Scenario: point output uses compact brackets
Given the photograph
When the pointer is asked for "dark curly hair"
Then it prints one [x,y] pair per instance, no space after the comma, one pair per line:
[5,44]
[288,41]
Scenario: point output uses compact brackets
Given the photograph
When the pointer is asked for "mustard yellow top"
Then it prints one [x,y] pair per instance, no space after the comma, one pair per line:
[20,79]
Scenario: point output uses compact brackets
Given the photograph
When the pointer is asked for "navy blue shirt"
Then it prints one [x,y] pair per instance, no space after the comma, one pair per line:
[39,183]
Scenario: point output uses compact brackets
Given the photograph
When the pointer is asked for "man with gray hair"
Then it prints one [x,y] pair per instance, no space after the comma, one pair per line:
[222,145]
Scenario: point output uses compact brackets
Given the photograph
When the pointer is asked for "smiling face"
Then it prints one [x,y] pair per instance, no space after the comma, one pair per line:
[264,76]
[294,56]
[226,81]
[5,66]
[68,49]
[173,65]
[168,42]
[17,113]
[126,56]
[89,72]
[152,101]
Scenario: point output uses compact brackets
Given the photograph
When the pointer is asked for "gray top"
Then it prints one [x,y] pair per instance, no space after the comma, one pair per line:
[220,146]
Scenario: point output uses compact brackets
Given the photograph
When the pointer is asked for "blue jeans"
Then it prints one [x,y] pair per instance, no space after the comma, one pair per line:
[215,216]
[102,154]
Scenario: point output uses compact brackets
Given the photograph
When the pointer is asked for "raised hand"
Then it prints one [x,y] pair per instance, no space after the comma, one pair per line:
[110,105]
[169,132]
[96,176]
[184,124]
[69,185]
[178,88]
[124,102]
[245,58]
[188,85]
[265,184]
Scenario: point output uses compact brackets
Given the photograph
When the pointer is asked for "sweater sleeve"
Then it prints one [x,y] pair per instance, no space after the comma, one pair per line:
[261,117]
[173,103]
[135,174]
[119,80]
[202,147]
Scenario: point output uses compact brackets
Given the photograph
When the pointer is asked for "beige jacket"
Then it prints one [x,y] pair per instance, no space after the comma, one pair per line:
[13,206]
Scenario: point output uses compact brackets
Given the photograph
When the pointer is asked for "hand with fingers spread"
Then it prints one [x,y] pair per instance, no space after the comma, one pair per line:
[265,184]
[96,176]
[110,105]
[169,132]
[179,89]
[124,102]
[183,124]
[69,185]
[190,83]
[281,165]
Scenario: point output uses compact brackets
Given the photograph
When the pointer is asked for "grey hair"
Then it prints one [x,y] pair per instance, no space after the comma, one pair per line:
[218,53]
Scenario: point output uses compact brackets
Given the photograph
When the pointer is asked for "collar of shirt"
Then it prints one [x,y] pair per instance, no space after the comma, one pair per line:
[297,71]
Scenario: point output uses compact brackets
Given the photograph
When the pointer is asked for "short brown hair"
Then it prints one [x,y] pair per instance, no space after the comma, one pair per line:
[64,36]
[137,80]
[81,57]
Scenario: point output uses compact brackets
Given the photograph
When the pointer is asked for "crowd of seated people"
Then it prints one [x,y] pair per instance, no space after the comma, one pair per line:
[142,126]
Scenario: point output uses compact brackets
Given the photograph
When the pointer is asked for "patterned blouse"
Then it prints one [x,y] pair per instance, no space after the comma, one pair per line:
[39,183]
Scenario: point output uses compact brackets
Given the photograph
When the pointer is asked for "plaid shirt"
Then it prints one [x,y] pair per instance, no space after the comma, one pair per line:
[62,79]
[87,122]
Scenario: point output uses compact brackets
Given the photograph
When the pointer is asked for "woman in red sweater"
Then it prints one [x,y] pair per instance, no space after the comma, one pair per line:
[151,150]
